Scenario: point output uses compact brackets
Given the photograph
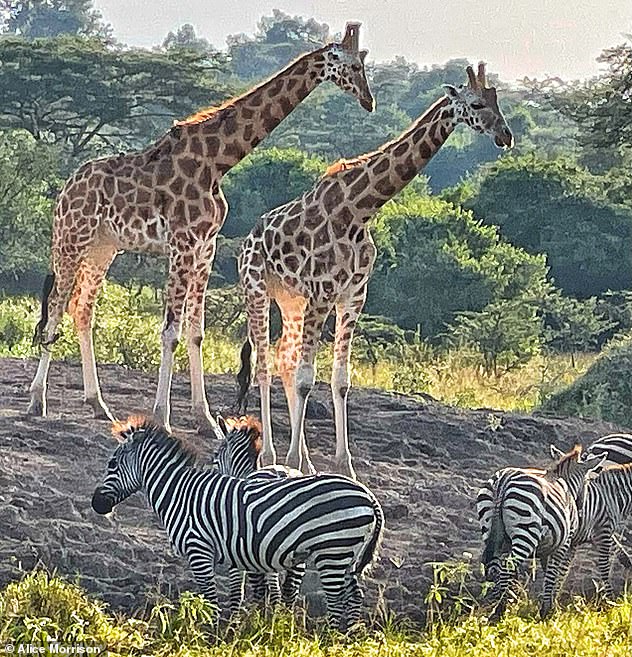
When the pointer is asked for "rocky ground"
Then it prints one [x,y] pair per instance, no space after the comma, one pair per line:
[423,460]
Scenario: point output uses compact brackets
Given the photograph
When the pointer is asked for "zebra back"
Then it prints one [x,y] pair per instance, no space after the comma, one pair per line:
[616,446]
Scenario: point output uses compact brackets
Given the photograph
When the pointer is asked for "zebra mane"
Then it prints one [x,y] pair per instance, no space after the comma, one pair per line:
[140,428]
[574,455]
[247,424]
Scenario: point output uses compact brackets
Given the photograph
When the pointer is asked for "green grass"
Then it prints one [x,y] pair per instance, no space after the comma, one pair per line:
[41,607]
[127,332]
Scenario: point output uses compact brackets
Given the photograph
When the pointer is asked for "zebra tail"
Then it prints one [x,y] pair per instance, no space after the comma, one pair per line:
[495,539]
[38,335]
[244,376]
[370,553]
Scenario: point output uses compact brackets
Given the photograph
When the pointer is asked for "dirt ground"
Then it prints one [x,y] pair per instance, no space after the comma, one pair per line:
[423,460]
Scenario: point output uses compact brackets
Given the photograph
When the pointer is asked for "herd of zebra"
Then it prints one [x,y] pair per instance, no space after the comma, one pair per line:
[263,522]
[526,513]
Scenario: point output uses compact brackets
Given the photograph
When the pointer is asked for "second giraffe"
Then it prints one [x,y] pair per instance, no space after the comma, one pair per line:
[315,255]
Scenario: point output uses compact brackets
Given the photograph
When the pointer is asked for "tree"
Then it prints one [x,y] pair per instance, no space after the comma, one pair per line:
[50,18]
[560,209]
[265,180]
[28,181]
[83,95]
[435,260]
[186,38]
[279,39]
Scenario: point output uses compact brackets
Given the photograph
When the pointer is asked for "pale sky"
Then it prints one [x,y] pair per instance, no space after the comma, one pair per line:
[535,38]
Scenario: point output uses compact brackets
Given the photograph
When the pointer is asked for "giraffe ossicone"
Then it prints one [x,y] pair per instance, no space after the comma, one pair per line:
[314,255]
[167,200]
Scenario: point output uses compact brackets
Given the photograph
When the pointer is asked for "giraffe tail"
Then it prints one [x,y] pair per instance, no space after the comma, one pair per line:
[244,376]
[38,335]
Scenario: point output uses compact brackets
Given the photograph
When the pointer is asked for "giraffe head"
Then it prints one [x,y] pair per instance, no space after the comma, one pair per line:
[344,66]
[476,105]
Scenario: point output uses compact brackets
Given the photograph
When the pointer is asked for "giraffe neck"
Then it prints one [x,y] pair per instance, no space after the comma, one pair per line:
[389,169]
[233,131]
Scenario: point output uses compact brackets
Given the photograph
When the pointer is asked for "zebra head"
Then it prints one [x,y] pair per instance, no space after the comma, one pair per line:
[123,477]
[238,453]
[575,467]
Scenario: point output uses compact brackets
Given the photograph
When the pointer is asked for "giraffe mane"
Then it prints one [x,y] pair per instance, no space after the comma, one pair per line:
[344,164]
[205,114]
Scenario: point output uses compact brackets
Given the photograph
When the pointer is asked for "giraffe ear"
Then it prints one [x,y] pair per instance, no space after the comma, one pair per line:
[351,39]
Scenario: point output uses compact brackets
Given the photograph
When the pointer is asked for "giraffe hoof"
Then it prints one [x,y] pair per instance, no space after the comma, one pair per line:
[100,410]
[37,408]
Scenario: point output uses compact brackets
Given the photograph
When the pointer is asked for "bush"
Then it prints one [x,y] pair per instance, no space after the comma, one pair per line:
[604,391]
[435,260]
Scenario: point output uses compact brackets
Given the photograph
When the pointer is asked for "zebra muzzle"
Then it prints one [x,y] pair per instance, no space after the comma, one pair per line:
[101,503]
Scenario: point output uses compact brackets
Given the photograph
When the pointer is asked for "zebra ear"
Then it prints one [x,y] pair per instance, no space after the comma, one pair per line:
[596,464]
[221,422]
[556,453]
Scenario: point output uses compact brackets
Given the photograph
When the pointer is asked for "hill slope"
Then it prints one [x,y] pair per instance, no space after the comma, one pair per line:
[424,461]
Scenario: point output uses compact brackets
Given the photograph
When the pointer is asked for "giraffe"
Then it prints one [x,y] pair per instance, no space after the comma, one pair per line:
[315,255]
[167,200]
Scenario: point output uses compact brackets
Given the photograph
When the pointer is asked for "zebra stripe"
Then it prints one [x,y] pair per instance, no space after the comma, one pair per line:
[254,525]
[617,447]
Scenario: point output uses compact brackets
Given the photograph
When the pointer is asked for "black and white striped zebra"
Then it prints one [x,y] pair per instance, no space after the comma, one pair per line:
[603,502]
[617,448]
[253,525]
[531,516]
[238,456]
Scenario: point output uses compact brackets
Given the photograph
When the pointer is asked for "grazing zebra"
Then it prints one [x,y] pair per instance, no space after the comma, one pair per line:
[238,456]
[616,446]
[252,525]
[532,516]
[603,502]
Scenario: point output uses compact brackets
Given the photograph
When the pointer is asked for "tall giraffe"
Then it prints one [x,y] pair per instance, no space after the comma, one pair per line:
[315,255]
[167,200]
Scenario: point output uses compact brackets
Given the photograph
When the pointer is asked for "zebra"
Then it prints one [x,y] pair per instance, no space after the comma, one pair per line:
[603,502]
[617,448]
[253,525]
[532,516]
[238,456]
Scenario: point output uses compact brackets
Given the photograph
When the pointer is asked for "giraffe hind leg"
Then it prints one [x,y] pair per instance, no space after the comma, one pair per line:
[57,290]
[81,307]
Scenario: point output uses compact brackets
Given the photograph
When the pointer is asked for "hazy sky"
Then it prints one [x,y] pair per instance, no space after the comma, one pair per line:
[515,37]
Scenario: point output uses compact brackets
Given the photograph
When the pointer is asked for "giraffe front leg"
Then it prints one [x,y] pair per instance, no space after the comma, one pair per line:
[87,285]
[346,319]
[195,335]
[177,284]
[65,270]
[258,314]
[298,455]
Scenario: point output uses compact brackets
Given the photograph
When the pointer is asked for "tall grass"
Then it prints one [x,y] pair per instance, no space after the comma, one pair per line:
[127,332]
[42,607]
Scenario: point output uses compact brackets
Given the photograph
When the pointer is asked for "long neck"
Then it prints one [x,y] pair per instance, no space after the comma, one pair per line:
[234,130]
[388,170]
[163,473]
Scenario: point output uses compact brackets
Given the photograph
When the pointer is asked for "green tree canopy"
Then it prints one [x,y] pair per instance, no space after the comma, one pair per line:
[559,209]
[263,181]
[435,259]
[82,94]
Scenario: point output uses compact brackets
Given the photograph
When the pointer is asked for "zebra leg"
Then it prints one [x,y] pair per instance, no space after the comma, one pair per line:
[273,589]
[292,584]
[557,567]
[604,542]
[201,558]
[237,580]
[353,599]
[258,581]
